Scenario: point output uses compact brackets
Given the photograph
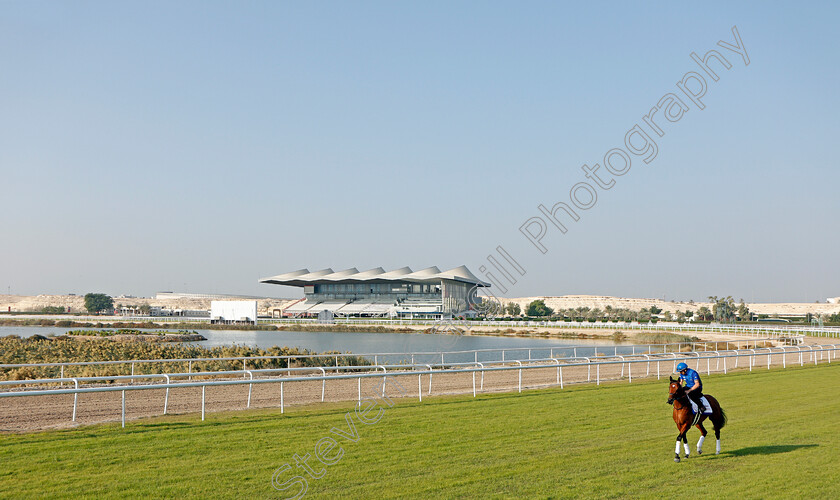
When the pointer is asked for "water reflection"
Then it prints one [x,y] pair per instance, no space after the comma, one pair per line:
[400,345]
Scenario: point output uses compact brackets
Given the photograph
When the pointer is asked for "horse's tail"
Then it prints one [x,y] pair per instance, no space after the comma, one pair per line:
[722,419]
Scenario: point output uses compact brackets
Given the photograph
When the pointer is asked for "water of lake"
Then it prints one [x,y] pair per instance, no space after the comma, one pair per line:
[361,342]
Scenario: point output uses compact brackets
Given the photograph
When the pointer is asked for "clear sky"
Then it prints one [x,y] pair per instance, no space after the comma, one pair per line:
[200,146]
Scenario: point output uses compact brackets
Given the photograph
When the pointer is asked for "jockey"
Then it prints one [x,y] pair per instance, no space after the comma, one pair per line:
[692,384]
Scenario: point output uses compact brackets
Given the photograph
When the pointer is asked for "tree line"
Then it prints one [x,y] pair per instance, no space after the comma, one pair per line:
[724,309]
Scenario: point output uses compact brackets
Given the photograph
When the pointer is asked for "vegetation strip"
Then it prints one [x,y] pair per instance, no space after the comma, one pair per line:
[17,350]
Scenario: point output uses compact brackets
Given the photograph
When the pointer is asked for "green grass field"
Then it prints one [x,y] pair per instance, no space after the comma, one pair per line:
[612,441]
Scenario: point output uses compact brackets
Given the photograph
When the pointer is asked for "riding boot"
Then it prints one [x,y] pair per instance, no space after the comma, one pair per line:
[699,405]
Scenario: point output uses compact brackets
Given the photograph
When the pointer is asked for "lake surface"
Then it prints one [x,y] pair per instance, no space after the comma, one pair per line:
[397,343]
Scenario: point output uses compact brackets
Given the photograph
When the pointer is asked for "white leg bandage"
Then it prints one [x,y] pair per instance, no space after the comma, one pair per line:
[677,451]
[687,449]
[700,443]
[717,446]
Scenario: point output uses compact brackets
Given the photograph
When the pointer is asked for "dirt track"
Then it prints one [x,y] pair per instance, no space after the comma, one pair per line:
[31,413]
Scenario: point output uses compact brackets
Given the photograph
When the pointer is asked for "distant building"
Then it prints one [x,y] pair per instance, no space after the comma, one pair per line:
[833,300]
[233,311]
[205,296]
[429,293]
[159,311]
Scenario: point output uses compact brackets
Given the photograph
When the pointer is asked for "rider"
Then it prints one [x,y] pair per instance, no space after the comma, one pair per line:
[692,384]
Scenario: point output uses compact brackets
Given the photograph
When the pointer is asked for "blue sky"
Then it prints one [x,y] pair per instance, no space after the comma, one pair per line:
[199,146]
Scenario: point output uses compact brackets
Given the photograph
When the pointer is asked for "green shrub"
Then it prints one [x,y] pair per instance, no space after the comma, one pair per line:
[14,350]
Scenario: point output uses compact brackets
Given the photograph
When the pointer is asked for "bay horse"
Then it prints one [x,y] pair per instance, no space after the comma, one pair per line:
[684,419]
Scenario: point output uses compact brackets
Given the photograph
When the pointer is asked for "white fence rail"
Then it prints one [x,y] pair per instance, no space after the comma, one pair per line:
[498,354]
[751,357]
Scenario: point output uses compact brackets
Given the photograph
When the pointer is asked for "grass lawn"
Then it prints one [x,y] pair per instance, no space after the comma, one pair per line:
[612,441]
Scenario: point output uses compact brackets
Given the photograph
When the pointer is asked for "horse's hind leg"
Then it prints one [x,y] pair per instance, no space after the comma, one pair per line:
[702,438]
[717,441]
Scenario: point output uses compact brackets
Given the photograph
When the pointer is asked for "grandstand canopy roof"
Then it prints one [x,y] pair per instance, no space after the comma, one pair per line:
[303,277]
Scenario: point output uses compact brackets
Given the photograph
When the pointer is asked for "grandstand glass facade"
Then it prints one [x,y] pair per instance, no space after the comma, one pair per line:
[354,291]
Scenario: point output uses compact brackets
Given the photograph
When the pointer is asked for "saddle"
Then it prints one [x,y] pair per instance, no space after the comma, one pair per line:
[700,411]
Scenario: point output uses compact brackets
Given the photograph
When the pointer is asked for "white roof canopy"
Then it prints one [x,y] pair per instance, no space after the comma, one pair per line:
[303,277]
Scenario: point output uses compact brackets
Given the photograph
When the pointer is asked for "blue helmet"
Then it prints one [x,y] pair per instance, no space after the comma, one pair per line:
[681,367]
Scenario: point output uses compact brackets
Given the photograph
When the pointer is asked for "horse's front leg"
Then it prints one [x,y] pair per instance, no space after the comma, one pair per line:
[683,428]
[677,449]
[702,438]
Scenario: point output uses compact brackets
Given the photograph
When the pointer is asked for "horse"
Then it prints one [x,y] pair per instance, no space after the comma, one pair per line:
[684,419]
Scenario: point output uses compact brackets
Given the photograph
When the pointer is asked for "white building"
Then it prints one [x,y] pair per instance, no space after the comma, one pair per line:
[233,311]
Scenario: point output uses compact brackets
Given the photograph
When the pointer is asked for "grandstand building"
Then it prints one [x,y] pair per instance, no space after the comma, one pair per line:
[402,293]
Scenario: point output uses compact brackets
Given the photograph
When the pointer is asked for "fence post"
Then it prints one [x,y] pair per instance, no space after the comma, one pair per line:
[75,399]
[430,378]
[123,409]
[281,397]
[202,401]
[250,386]
[166,395]
[419,386]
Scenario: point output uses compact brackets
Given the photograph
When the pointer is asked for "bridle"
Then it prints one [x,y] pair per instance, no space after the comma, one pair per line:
[675,396]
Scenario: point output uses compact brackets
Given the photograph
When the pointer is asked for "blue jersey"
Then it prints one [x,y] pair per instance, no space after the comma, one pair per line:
[690,378]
